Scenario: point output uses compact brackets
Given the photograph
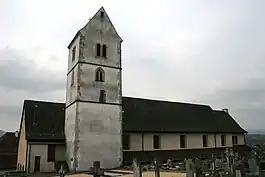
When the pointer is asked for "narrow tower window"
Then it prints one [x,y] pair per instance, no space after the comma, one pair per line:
[104,51]
[101,14]
[102,96]
[98,50]
[73,53]
[72,78]
[100,75]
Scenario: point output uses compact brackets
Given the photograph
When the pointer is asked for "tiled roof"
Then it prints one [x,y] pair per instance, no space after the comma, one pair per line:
[8,143]
[225,123]
[45,120]
[144,115]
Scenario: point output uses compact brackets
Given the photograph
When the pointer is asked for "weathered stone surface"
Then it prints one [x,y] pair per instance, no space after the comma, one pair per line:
[93,129]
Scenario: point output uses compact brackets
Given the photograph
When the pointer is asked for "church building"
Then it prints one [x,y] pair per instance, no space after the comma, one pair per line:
[98,123]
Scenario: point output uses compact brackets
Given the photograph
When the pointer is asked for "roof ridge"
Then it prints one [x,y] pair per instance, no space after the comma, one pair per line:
[43,101]
[166,101]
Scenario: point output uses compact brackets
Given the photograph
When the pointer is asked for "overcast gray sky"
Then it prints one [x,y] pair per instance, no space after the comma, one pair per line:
[202,51]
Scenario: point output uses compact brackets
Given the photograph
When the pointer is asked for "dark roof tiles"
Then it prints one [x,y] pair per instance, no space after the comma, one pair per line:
[45,120]
[224,122]
[144,115]
[8,143]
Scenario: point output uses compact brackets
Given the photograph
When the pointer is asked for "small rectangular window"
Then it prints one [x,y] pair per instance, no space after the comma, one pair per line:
[104,51]
[205,140]
[51,152]
[126,141]
[98,49]
[234,140]
[73,53]
[72,78]
[101,14]
[182,141]
[102,97]
[223,143]
[156,142]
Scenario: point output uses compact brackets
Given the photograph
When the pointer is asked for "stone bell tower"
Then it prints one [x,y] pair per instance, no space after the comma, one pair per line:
[93,120]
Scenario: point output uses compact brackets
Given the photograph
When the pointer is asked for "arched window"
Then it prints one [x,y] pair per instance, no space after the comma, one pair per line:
[100,75]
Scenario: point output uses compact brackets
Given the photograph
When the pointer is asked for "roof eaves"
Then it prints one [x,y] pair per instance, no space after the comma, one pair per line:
[235,122]
[77,34]
[21,120]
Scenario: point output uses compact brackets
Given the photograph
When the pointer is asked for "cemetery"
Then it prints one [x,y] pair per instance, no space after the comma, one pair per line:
[227,164]
[250,163]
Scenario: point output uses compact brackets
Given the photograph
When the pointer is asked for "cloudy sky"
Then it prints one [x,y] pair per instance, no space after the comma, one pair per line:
[207,51]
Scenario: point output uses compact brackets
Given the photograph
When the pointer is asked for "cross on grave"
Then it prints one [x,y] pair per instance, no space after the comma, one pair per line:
[96,170]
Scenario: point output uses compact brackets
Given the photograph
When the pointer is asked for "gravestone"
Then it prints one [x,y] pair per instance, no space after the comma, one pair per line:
[96,170]
[253,166]
[189,168]
[62,171]
[238,173]
[157,171]
[205,166]
[218,163]
[213,167]
[137,172]
[197,168]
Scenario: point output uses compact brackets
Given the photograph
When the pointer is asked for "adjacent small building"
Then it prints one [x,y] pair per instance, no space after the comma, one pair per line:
[41,136]
[8,151]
